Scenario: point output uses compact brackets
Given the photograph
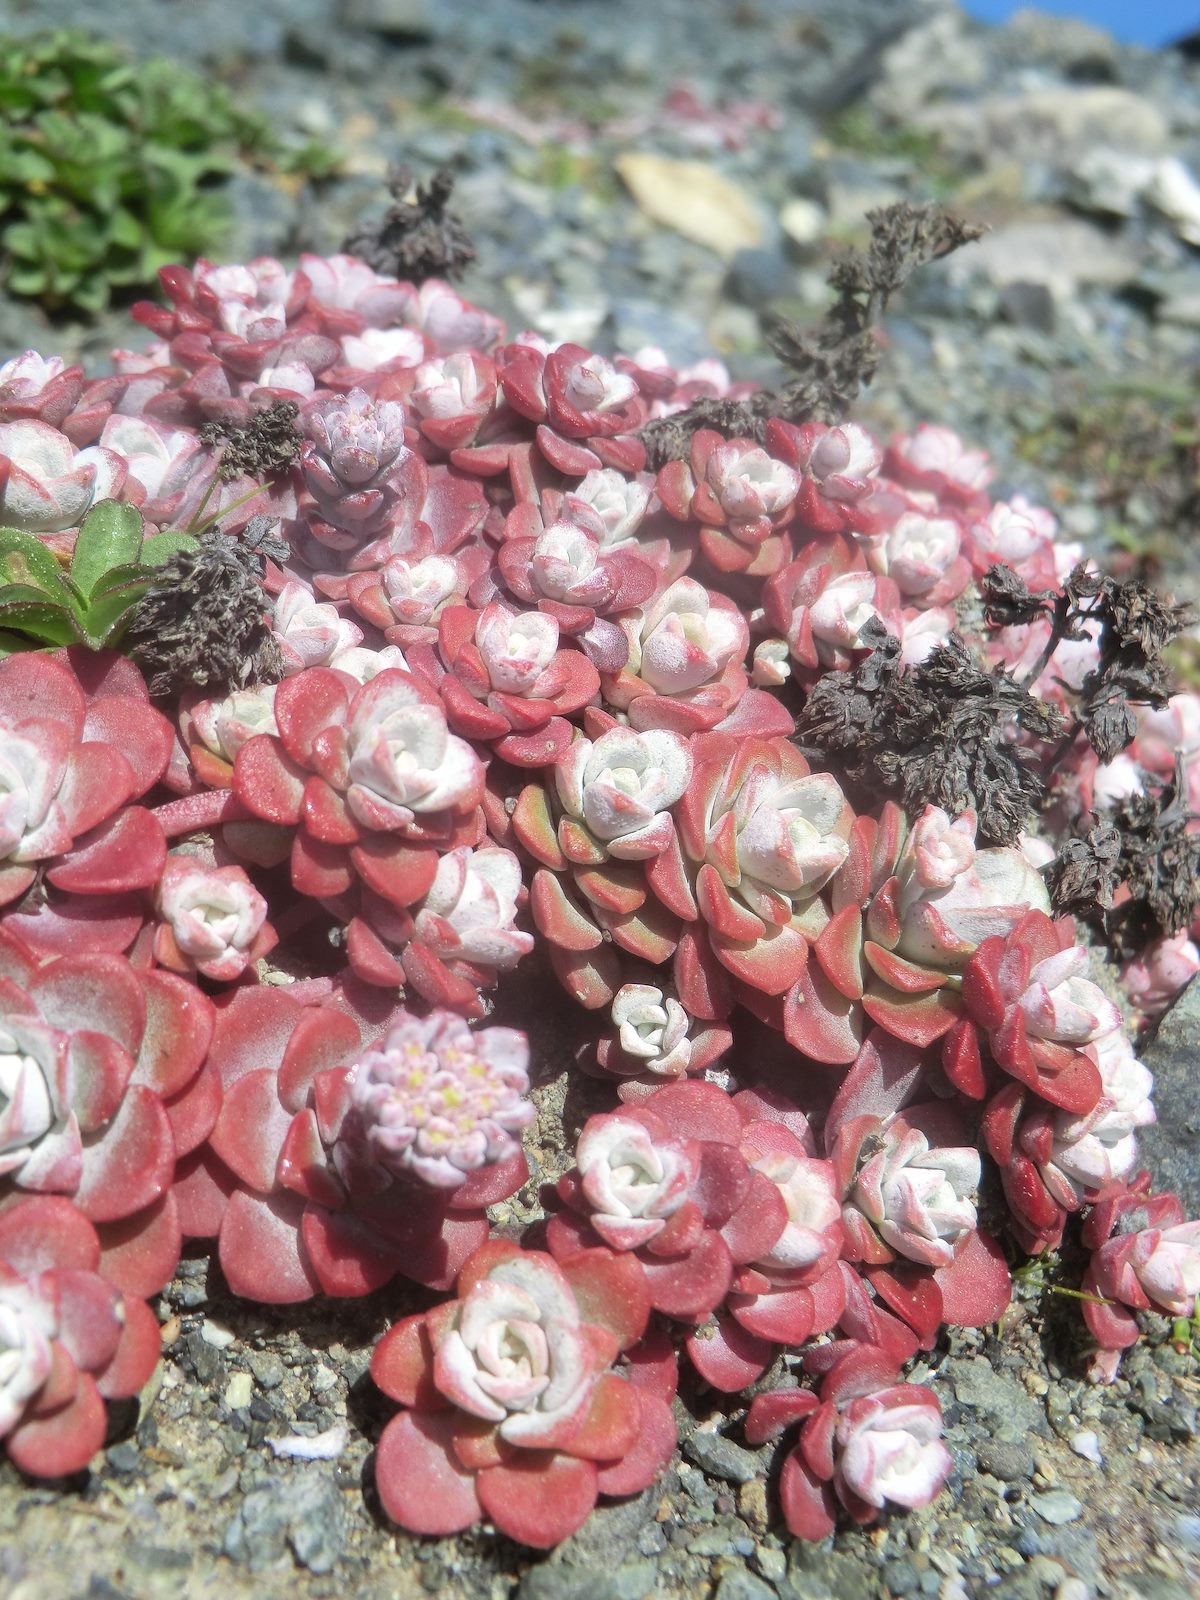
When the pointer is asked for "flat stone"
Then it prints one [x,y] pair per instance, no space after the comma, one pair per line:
[719,1457]
[695,199]
[1057,1506]
[1010,1462]
[1168,1146]
[742,1585]
[1008,1411]
[1061,255]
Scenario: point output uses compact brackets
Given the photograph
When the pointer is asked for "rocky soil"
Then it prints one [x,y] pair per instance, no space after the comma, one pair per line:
[1068,342]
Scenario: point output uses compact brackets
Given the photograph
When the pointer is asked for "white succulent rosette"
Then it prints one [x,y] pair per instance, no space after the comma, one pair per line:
[436,1101]
[919,1200]
[46,485]
[790,838]
[952,898]
[309,632]
[841,611]
[682,640]
[224,726]
[617,505]
[516,647]
[450,387]
[652,1030]
[750,484]
[33,769]
[631,1180]
[40,1143]
[1101,1148]
[919,551]
[621,786]
[813,1235]
[1062,1006]
[214,914]
[403,760]
[1169,1271]
[471,907]
[890,1449]
[26,1331]
[518,1353]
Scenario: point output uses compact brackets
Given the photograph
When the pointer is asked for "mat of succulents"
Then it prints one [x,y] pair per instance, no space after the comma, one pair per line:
[355,654]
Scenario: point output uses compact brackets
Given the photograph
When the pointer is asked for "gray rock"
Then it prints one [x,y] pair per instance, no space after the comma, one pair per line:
[556,1581]
[1008,1411]
[740,1585]
[721,1458]
[304,1511]
[1061,255]
[405,20]
[1169,1145]
[1057,1506]
[1010,1462]
[1029,305]
[757,277]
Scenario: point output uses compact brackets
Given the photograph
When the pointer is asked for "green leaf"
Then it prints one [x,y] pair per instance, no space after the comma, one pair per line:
[111,536]
[25,560]
[160,547]
[10,643]
[108,615]
[40,621]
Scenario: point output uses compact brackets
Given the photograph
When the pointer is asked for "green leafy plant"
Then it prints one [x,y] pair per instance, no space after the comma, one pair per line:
[91,601]
[110,169]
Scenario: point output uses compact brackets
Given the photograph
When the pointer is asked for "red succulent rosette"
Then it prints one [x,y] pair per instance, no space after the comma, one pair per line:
[586,412]
[79,741]
[742,496]
[109,1088]
[1024,995]
[71,1337]
[666,1179]
[300,1195]
[513,1410]
[369,779]
[505,679]
[867,1441]
[1145,1257]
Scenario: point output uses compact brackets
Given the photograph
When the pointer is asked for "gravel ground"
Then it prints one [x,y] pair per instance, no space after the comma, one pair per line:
[1068,342]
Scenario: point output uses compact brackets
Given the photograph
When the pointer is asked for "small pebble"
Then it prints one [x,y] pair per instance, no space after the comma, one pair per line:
[239,1391]
[213,1333]
[1057,1506]
[720,1457]
[1087,1445]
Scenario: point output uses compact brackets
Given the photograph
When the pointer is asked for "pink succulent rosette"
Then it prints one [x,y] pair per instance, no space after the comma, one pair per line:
[512,1408]
[838,469]
[79,740]
[1053,1161]
[506,680]
[456,942]
[665,1178]
[368,778]
[1025,996]
[909,907]
[867,1441]
[585,411]
[213,921]
[38,389]
[1145,1257]
[46,485]
[741,496]
[565,569]
[653,1039]
[70,1338]
[757,837]
[935,459]
[339,1160]
[103,1085]
[821,602]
